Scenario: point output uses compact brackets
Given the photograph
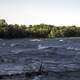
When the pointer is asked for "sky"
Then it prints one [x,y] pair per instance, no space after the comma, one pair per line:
[55,12]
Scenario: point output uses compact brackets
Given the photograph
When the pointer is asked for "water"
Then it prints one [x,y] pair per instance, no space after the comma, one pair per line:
[59,56]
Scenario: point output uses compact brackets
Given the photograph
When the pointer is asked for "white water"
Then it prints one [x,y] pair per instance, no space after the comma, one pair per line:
[35,40]
[42,47]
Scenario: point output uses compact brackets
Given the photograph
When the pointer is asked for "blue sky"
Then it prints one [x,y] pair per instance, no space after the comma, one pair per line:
[55,12]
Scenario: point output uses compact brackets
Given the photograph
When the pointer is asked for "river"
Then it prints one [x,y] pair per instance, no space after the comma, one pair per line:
[40,59]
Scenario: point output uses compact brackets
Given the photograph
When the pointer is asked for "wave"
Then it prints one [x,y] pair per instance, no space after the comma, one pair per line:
[61,40]
[47,47]
[70,47]
[42,47]
[77,49]
[12,45]
[73,48]
[35,40]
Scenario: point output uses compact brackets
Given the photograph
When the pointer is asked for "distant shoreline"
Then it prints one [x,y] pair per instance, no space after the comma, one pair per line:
[10,31]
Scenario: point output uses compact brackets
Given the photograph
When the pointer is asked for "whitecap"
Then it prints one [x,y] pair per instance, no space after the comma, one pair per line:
[12,45]
[73,48]
[16,51]
[77,49]
[61,40]
[70,48]
[35,40]
[42,47]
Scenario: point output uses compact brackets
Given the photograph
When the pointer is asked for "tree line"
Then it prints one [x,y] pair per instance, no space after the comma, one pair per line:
[37,31]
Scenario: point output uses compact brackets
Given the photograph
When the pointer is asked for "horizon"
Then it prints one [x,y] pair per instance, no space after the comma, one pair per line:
[29,12]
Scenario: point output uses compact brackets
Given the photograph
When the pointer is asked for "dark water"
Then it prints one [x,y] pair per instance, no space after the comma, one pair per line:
[60,58]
